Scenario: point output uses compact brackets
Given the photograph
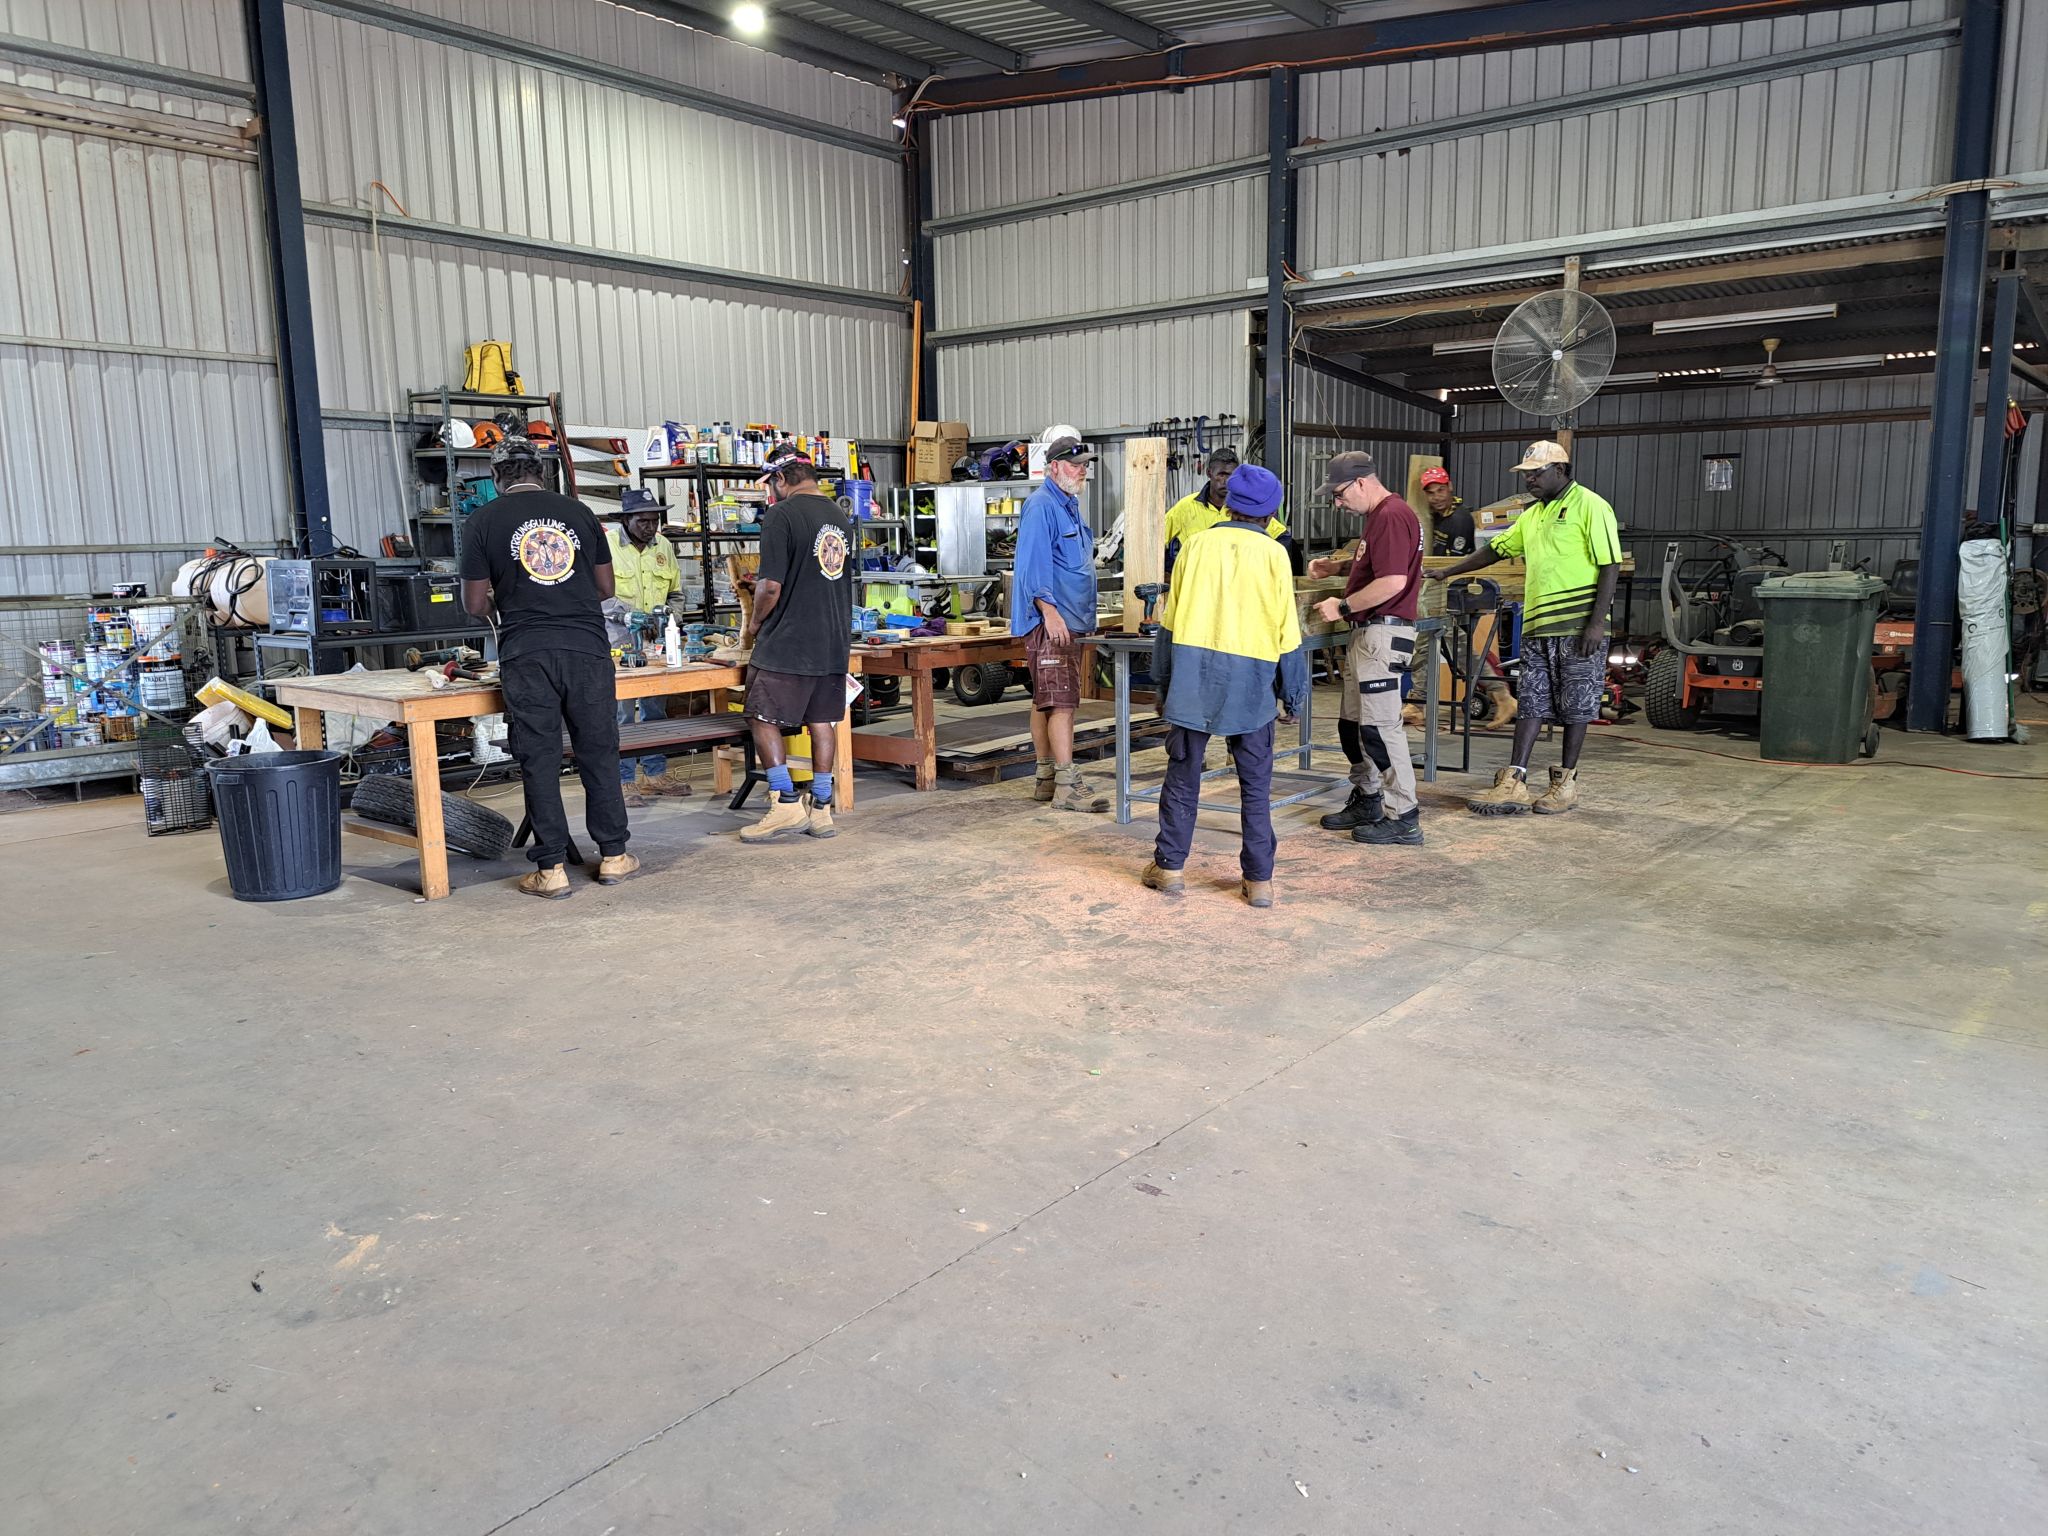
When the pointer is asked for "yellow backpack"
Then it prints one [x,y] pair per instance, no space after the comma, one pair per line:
[487,369]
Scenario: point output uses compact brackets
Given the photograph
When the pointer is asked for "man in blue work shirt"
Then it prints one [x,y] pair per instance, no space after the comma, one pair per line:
[1052,605]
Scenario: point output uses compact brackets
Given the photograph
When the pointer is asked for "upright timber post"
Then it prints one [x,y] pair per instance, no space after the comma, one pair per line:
[291,297]
[1955,367]
[1281,123]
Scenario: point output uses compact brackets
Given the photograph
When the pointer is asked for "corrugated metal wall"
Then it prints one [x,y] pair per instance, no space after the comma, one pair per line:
[1158,249]
[989,159]
[204,36]
[134,310]
[1111,380]
[1797,487]
[1364,419]
[2022,103]
[499,146]
[1184,245]
[633,40]
[1857,128]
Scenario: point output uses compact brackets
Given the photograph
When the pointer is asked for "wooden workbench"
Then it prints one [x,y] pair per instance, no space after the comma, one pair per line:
[917,659]
[407,699]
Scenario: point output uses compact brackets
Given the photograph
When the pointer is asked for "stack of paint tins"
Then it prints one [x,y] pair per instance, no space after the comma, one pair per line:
[57,659]
[160,670]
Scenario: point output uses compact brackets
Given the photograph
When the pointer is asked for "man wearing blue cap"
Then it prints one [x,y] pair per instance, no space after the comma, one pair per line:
[1227,652]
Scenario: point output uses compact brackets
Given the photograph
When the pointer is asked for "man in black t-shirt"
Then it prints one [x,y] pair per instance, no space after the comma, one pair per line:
[541,561]
[1451,531]
[800,634]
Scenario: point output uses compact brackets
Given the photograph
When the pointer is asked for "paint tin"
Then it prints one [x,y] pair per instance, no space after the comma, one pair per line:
[156,628]
[162,684]
[79,735]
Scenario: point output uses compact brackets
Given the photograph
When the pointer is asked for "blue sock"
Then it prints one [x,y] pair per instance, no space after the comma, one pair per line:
[821,788]
[780,781]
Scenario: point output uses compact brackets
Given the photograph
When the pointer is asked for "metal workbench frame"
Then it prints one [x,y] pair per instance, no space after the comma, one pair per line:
[1123,647]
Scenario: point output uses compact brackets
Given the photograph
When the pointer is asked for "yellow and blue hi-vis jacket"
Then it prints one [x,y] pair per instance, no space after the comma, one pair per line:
[1229,641]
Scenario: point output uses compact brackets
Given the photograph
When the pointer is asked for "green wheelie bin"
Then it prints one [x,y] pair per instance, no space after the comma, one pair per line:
[1818,630]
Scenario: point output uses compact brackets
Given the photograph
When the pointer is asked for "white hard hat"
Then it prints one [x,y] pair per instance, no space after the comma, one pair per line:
[1055,433]
[457,434]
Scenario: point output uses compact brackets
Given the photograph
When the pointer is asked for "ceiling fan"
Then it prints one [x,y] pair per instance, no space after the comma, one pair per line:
[1769,378]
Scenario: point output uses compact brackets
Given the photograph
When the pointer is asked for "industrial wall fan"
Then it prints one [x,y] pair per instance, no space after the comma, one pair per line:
[1553,353]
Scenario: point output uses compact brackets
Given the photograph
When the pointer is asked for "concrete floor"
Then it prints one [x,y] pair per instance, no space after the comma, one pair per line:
[1672,1167]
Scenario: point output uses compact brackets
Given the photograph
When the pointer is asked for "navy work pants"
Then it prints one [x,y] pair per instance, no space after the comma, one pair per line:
[1179,799]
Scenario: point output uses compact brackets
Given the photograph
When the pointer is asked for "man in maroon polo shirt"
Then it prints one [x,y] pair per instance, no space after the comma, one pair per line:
[1380,595]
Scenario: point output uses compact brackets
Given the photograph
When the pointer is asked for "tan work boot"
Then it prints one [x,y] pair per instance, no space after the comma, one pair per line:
[1256,893]
[1167,882]
[613,868]
[550,884]
[1509,796]
[1562,796]
[1044,785]
[783,816]
[634,792]
[670,784]
[821,819]
[1077,794]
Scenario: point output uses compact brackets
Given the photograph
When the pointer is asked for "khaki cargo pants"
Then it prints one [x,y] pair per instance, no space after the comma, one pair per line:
[1373,663]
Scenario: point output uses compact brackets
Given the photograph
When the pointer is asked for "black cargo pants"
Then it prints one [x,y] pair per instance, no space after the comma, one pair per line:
[545,691]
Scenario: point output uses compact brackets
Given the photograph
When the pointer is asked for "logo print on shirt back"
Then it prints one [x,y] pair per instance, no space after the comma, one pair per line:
[545,551]
[830,550]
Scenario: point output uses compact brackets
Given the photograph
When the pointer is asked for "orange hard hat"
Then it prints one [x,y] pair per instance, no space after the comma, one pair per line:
[489,434]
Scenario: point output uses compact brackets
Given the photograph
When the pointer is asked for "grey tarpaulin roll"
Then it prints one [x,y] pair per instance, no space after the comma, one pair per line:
[1981,607]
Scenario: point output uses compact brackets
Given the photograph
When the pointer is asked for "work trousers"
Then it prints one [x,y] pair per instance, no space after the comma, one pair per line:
[545,691]
[1180,798]
[1374,662]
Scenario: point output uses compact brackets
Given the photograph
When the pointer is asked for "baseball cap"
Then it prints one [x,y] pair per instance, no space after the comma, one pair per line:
[1536,455]
[1436,474]
[780,457]
[1344,468]
[1068,450]
[517,448]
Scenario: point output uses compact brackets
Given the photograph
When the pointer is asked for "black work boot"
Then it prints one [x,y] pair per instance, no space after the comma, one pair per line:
[1362,809]
[1404,830]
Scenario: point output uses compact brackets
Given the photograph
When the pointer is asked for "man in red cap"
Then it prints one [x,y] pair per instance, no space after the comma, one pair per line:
[1451,526]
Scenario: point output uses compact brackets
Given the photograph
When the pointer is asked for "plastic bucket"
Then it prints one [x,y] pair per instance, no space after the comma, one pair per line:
[280,822]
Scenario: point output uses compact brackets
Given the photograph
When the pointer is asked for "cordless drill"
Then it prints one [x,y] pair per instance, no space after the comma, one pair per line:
[1149,593]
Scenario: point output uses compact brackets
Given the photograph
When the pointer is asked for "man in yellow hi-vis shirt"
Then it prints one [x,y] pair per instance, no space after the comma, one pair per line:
[1227,652]
[1205,509]
[644,568]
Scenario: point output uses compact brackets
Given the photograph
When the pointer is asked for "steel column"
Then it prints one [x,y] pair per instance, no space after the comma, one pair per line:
[1955,373]
[1997,390]
[924,269]
[1282,121]
[291,295]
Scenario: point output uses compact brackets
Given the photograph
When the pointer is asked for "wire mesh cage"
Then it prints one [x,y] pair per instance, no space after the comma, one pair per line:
[175,794]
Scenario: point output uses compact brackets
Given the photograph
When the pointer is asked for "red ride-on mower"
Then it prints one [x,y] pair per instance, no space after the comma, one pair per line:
[1712,664]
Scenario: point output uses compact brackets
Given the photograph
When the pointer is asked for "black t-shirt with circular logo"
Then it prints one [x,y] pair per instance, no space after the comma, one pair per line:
[807,546]
[539,550]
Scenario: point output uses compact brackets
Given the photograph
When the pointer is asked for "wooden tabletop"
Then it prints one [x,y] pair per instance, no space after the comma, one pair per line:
[398,694]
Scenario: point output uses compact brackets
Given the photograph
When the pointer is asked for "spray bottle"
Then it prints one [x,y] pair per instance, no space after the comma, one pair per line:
[672,643]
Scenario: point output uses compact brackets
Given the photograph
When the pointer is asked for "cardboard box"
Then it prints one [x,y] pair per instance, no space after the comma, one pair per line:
[933,448]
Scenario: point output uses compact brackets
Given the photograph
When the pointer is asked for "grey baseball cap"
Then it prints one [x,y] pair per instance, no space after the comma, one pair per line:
[1068,450]
[1344,468]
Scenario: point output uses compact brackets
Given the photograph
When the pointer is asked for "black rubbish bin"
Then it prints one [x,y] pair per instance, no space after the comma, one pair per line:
[280,822]
[1817,677]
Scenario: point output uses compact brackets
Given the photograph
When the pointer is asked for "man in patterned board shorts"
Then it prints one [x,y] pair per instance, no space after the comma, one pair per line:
[1569,538]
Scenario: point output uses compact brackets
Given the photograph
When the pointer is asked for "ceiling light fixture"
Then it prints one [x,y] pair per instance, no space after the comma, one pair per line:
[749,19]
[1746,317]
[1445,348]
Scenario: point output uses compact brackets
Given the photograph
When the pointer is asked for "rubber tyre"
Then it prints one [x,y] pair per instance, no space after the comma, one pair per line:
[981,682]
[887,692]
[1663,691]
[474,829]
